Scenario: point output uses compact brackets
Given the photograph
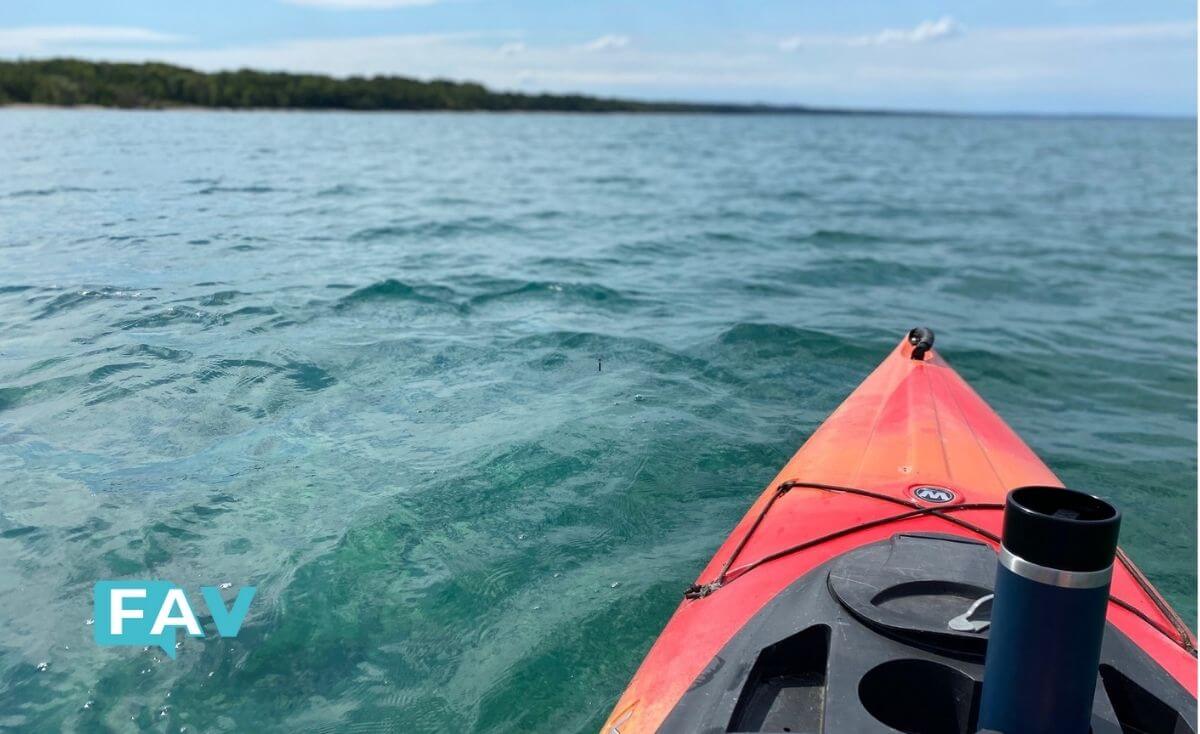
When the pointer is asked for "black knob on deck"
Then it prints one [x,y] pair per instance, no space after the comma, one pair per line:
[921,338]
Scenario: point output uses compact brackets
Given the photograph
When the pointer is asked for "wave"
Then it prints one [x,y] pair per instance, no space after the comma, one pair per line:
[840,237]
[616,180]
[583,293]
[727,237]
[768,340]
[74,298]
[851,272]
[251,311]
[139,368]
[307,376]
[172,315]
[255,189]
[220,298]
[793,195]
[495,291]
[578,265]
[342,190]
[19,395]
[396,290]
[439,229]
[165,354]
[50,191]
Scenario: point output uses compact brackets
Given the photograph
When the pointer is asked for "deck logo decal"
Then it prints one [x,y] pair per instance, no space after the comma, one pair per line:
[936,495]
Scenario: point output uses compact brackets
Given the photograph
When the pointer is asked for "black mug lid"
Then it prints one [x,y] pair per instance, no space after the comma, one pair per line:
[1061,528]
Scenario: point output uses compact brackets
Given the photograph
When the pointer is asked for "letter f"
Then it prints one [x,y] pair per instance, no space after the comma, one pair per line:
[117,611]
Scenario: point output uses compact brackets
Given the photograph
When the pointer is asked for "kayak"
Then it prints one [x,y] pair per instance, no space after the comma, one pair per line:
[841,601]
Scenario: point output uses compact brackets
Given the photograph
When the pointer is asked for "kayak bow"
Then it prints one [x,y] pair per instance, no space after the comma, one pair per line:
[897,494]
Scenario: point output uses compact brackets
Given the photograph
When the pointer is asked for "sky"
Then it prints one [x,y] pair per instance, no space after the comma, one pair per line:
[1040,56]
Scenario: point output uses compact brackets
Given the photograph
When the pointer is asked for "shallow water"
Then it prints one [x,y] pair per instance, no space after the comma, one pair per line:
[353,359]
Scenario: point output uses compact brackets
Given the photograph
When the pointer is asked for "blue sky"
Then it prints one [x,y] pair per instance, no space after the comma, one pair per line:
[1016,55]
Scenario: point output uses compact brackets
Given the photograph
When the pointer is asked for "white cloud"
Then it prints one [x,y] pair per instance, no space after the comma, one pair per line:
[795,43]
[37,39]
[606,43]
[361,4]
[924,32]
[511,49]
[947,27]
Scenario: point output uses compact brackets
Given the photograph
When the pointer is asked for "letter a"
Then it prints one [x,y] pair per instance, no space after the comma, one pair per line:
[175,598]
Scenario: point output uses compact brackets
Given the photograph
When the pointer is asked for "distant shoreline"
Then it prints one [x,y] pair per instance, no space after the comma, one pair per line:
[97,85]
[75,82]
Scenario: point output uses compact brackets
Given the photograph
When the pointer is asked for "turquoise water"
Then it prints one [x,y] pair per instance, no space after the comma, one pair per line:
[352,359]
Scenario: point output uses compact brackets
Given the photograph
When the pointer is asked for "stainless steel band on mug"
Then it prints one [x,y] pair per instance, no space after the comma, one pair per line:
[1054,576]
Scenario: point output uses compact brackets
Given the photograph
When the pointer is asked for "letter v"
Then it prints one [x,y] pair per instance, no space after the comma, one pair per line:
[228,621]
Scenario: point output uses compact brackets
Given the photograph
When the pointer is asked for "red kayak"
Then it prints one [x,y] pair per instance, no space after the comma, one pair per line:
[827,609]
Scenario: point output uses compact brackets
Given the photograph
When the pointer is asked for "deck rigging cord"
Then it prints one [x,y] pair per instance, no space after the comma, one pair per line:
[1180,635]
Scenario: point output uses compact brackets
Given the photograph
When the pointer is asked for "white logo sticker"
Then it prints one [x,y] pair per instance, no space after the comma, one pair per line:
[936,495]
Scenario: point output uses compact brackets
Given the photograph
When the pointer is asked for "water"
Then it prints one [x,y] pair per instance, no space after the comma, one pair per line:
[353,359]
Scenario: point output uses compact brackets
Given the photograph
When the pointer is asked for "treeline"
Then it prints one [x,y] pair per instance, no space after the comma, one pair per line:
[75,82]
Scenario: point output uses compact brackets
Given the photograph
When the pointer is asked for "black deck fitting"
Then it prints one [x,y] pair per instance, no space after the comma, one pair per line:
[922,340]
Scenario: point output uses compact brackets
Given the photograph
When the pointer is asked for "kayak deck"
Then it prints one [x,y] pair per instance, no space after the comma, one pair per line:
[913,434]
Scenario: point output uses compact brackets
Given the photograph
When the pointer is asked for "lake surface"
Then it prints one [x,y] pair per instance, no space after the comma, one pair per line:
[353,359]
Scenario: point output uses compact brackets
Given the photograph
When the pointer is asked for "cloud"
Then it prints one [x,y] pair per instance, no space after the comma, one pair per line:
[607,43]
[924,32]
[795,43]
[35,39]
[361,4]
[511,49]
[947,27]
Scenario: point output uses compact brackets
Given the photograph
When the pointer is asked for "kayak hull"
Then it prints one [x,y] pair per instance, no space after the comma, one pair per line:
[915,433]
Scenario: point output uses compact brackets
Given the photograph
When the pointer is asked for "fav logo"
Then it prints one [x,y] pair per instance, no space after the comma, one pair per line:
[149,613]
[936,495]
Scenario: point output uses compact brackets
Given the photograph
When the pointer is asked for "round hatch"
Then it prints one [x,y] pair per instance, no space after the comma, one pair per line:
[924,589]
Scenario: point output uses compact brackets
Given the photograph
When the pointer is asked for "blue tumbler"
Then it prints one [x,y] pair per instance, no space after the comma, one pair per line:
[1048,614]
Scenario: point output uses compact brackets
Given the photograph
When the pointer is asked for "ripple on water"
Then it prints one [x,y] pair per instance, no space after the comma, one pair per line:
[391,289]
[426,231]
[563,294]
[252,189]
[51,191]
[72,299]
